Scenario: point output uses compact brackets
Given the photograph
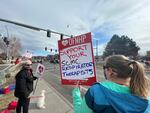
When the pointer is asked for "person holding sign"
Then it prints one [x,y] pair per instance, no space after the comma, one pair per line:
[125,90]
[24,86]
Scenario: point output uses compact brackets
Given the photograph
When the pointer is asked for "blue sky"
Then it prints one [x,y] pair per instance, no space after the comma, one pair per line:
[101,17]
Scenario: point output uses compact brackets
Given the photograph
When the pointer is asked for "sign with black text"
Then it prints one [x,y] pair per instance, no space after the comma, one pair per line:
[77,60]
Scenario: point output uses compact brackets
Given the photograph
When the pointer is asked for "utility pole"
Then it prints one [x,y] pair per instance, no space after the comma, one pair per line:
[96,48]
[7,44]
[96,52]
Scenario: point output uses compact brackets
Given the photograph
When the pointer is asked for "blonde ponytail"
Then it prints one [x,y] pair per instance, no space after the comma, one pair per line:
[139,83]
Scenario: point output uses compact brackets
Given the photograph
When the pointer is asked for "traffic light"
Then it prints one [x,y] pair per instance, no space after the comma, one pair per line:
[61,37]
[51,49]
[48,33]
[7,43]
[45,48]
[5,39]
[56,50]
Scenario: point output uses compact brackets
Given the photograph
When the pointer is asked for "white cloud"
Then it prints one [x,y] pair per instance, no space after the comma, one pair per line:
[123,17]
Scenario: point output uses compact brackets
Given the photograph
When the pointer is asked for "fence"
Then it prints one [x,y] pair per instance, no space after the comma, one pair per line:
[3,72]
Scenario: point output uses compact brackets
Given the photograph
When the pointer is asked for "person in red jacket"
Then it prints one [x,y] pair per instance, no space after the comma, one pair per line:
[17,61]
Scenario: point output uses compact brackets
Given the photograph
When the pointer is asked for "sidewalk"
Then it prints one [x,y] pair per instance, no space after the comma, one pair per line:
[55,102]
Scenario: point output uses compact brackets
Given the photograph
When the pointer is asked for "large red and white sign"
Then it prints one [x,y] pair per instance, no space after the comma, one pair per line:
[77,60]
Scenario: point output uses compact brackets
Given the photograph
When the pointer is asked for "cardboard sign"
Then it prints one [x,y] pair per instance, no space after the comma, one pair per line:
[77,60]
[40,70]
[28,55]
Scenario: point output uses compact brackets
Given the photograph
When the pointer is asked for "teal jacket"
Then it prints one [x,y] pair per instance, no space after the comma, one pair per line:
[109,97]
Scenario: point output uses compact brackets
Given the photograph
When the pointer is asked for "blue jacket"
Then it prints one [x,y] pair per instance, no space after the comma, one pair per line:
[102,100]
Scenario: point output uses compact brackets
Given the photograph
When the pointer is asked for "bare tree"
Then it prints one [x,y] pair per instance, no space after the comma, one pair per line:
[2,46]
[14,46]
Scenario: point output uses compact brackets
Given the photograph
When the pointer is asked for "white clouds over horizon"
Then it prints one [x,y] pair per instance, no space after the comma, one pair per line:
[106,17]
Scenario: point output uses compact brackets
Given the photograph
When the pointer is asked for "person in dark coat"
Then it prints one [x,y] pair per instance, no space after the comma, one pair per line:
[24,86]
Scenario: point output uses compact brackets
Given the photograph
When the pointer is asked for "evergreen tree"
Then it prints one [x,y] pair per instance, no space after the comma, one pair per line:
[121,45]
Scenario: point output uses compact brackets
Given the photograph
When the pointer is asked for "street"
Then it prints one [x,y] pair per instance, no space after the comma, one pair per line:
[52,77]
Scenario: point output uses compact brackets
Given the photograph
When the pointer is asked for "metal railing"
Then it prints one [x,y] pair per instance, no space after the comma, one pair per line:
[3,72]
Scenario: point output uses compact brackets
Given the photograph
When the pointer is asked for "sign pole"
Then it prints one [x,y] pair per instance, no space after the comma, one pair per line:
[35,86]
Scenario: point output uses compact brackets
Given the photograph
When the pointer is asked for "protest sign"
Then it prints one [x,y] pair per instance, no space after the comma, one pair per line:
[77,60]
[40,70]
[27,55]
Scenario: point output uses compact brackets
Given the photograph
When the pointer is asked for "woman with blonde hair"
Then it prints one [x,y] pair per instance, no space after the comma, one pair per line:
[126,89]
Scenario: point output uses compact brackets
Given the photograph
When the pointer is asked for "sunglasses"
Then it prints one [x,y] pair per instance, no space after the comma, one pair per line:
[106,67]
[28,64]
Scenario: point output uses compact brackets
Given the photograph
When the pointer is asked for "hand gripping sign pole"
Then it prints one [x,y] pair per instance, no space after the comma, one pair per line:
[39,73]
